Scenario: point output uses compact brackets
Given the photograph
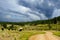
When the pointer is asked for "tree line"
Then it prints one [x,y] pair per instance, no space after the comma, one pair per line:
[49,21]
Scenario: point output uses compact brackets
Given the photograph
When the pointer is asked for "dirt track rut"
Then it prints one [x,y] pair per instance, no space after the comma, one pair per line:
[47,36]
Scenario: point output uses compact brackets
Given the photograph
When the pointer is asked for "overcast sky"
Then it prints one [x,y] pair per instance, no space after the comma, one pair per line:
[28,10]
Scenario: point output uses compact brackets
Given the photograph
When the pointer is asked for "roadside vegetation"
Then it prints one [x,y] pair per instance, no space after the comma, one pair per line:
[16,35]
[57,33]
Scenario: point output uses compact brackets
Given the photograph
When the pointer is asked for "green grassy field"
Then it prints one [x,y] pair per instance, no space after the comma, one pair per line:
[28,30]
[57,33]
[16,35]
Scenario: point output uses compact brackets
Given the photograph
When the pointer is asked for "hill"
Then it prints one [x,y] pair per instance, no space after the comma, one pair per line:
[53,20]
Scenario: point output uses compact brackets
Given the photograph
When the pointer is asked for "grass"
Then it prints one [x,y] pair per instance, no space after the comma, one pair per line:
[16,35]
[24,35]
[27,34]
[57,33]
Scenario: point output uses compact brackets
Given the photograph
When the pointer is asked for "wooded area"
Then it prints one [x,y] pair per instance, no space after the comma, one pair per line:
[50,24]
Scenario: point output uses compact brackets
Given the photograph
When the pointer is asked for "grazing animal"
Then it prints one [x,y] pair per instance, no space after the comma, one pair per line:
[20,29]
[2,29]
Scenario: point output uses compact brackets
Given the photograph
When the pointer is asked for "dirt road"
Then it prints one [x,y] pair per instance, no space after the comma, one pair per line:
[47,36]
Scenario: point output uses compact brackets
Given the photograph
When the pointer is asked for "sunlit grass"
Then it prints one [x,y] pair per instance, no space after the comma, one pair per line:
[57,33]
[16,35]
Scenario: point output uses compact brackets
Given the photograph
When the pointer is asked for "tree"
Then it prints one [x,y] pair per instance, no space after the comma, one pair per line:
[11,27]
[4,25]
[49,22]
[55,20]
[49,26]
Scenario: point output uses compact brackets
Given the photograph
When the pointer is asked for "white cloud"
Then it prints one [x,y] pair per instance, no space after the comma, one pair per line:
[50,4]
[8,16]
[34,17]
[56,13]
[41,1]
[43,16]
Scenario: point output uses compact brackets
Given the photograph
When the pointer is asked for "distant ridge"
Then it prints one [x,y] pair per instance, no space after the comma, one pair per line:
[53,20]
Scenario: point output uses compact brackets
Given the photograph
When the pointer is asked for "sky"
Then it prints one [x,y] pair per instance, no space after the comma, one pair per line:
[28,10]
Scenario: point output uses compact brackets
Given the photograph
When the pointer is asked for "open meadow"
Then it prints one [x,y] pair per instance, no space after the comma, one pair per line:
[16,35]
[17,32]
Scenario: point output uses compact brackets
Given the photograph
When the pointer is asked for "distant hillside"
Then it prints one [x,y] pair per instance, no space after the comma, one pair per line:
[54,20]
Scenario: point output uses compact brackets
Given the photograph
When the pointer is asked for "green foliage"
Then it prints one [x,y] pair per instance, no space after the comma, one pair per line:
[4,25]
[16,35]
[26,34]
[57,33]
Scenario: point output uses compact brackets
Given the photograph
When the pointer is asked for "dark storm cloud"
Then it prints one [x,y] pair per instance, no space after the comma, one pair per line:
[28,10]
[43,7]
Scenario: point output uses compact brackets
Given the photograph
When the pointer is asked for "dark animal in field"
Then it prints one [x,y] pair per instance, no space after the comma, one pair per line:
[20,29]
[2,29]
